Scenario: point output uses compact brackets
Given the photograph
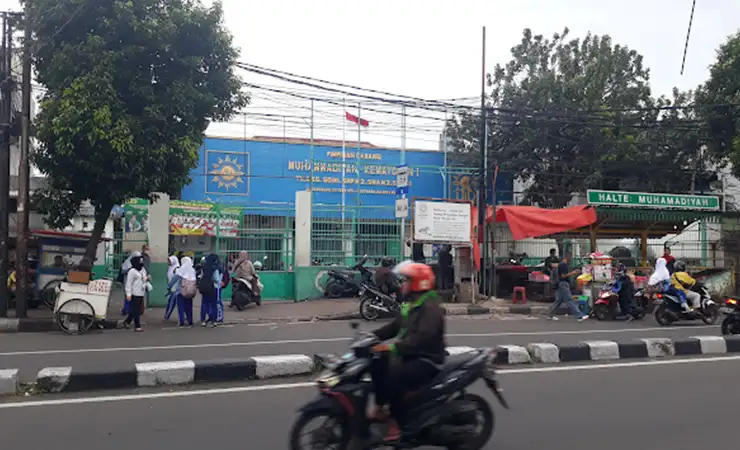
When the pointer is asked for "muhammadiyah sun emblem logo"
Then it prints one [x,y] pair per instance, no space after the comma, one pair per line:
[228,173]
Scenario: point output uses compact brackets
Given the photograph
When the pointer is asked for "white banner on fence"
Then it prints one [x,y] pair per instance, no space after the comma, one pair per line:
[444,222]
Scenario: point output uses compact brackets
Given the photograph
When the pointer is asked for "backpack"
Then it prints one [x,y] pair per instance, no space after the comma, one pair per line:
[205,286]
[188,288]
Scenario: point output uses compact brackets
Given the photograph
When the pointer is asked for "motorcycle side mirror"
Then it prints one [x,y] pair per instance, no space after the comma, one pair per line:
[264,258]
[354,325]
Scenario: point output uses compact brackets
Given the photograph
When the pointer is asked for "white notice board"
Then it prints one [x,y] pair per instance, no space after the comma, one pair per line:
[444,222]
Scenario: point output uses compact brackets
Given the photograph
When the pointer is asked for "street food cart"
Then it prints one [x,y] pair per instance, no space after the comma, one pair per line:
[58,251]
[81,303]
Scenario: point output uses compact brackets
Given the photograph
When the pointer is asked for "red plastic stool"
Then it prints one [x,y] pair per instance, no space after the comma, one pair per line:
[522,297]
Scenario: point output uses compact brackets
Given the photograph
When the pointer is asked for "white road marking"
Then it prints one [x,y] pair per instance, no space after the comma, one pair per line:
[338,339]
[282,386]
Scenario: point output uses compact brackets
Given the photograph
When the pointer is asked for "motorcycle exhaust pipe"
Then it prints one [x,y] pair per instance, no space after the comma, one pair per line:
[379,308]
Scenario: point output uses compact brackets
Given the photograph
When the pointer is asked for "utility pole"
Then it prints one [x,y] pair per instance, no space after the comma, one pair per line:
[482,210]
[6,90]
[22,233]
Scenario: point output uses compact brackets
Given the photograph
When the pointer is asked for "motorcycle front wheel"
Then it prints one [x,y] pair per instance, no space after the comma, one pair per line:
[710,315]
[334,432]
[731,325]
[367,312]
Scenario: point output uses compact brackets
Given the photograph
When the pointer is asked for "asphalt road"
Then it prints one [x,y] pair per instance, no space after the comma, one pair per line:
[119,348]
[649,405]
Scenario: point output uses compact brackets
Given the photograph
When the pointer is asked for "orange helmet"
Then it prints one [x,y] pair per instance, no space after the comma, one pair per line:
[420,276]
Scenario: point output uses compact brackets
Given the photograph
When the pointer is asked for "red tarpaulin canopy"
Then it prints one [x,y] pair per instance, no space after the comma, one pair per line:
[530,221]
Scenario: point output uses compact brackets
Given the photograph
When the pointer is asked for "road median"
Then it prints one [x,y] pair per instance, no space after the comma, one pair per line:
[186,372]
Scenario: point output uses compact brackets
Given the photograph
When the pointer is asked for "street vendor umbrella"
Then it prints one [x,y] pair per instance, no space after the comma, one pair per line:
[530,221]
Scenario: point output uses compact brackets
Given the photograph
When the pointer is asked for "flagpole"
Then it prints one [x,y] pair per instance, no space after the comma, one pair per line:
[344,154]
[403,162]
[355,231]
[311,182]
[359,144]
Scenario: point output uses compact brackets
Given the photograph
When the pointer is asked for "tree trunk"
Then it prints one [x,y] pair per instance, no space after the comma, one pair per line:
[101,218]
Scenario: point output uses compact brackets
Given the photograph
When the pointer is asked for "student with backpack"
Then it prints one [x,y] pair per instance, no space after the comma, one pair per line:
[183,284]
[173,264]
[209,286]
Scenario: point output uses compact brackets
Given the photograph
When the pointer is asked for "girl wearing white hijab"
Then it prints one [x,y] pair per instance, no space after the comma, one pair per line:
[660,278]
[185,274]
[125,267]
[172,291]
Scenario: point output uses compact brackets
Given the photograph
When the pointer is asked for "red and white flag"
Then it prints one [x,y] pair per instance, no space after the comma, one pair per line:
[357,120]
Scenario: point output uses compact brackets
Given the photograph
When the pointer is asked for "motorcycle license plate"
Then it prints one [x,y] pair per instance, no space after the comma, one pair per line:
[726,310]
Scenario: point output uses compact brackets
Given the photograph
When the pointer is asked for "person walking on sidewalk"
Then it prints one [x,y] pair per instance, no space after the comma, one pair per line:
[125,267]
[563,295]
[173,263]
[137,282]
[183,284]
[209,286]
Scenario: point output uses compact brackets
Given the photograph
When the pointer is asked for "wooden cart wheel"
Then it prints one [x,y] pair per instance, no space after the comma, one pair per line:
[75,316]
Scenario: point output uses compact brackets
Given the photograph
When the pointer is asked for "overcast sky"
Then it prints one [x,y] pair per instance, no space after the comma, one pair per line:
[431,49]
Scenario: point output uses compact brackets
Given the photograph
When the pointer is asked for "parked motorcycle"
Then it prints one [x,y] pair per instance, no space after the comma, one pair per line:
[242,293]
[374,302]
[440,414]
[606,307]
[731,324]
[342,282]
[669,310]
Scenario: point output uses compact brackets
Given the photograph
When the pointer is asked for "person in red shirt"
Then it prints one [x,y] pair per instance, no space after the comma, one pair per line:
[669,259]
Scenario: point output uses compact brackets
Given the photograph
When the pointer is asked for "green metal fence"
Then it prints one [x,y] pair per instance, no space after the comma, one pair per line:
[343,235]
[267,234]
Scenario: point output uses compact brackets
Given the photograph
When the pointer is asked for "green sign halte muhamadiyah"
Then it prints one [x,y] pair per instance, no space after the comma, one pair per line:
[626,199]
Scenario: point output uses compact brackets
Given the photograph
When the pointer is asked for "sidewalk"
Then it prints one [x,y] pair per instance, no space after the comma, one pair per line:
[42,320]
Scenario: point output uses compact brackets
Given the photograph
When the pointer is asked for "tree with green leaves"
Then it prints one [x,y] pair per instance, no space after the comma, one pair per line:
[719,104]
[130,88]
[566,115]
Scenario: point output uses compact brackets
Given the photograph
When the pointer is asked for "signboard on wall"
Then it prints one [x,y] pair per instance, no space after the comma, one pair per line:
[626,199]
[204,219]
[136,216]
[443,222]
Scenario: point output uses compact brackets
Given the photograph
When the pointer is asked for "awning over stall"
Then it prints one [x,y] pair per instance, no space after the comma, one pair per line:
[530,221]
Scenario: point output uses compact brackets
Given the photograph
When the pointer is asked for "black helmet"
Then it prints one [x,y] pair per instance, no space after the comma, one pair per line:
[387,262]
[680,266]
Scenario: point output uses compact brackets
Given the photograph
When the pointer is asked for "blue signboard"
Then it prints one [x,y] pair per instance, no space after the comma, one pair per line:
[254,173]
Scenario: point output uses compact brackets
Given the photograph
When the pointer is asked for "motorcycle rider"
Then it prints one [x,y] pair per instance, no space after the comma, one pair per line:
[683,282]
[385,279]
[419,351]
[626,291]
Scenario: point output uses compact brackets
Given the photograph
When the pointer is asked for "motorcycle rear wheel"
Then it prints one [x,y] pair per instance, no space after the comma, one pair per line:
[334,290]
[663,316]
[366,312]
[296,432]
[601,312]
[486,428]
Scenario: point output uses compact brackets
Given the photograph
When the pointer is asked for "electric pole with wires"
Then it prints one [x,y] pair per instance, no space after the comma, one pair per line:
[22,232]
[6,120]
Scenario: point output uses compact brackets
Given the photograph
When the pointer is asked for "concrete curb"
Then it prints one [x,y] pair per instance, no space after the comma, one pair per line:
[39,325]
[169,373]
